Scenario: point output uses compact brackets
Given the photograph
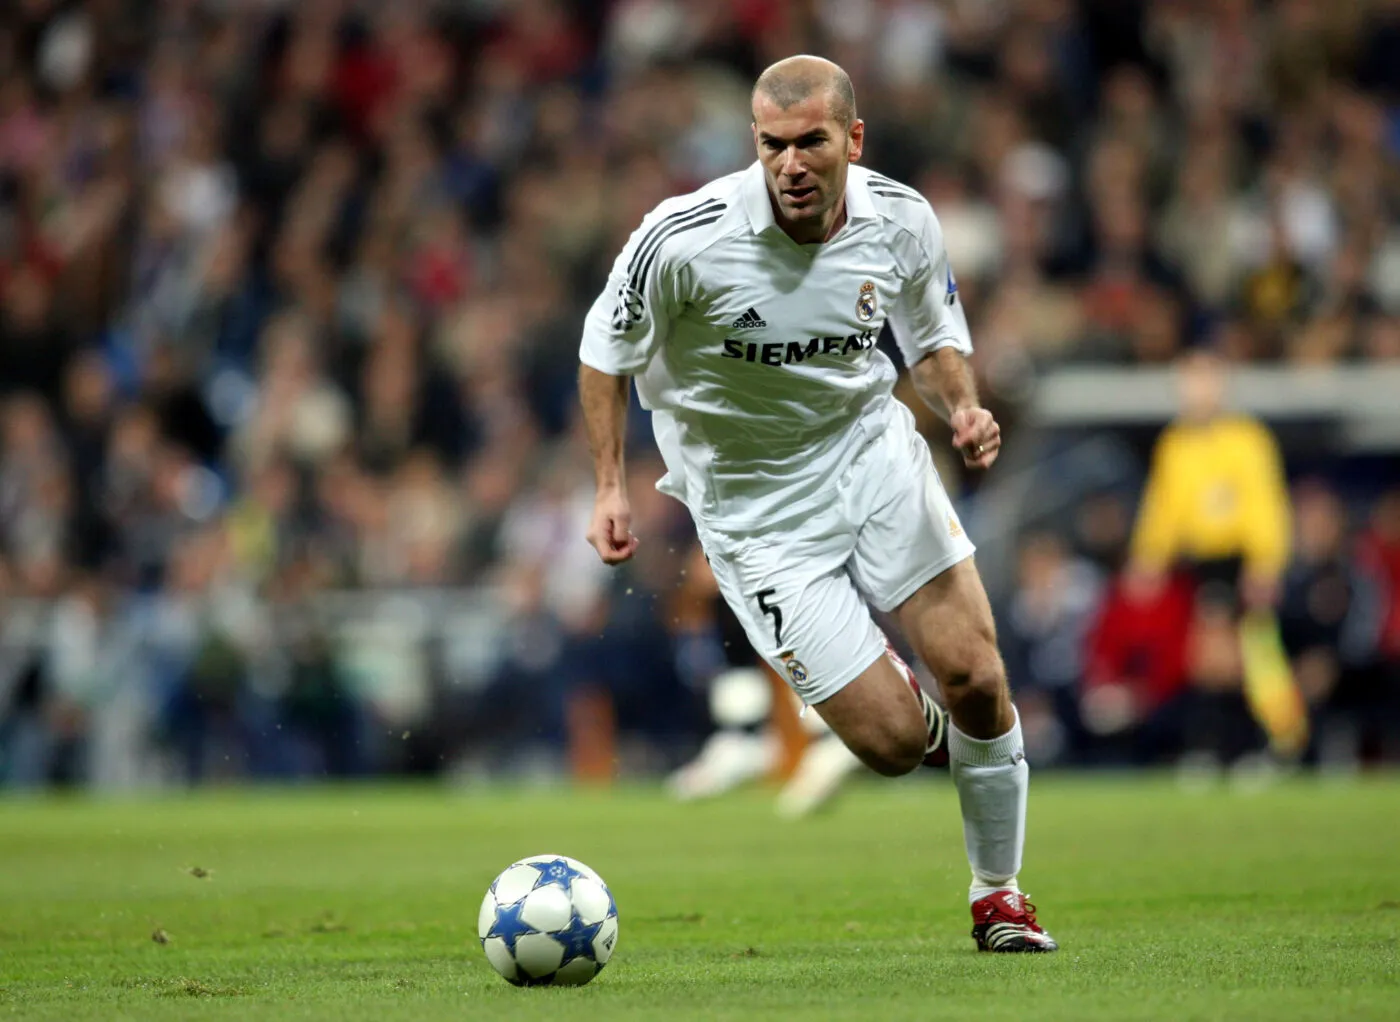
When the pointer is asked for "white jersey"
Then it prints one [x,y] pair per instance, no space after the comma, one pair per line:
[756,355]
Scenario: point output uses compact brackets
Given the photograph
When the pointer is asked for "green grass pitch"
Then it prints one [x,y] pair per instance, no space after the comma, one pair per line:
[361,904]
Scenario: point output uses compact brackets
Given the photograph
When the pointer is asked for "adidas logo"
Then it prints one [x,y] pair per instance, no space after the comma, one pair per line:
[750,320]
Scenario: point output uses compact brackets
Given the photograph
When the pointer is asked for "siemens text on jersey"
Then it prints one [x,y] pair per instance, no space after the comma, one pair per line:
[777,353]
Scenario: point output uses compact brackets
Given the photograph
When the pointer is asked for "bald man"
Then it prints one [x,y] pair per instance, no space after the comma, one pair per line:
[747,314]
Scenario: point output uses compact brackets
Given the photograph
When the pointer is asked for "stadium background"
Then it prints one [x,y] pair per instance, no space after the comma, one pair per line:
[291,479]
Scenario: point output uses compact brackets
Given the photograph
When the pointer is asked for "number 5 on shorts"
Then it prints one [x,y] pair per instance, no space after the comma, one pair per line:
[773,611]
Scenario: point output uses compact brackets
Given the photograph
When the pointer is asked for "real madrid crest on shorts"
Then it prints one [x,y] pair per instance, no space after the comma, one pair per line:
[865,304]
[796,670]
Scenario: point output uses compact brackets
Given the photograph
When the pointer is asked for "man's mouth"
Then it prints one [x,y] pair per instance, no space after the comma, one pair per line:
[799,195]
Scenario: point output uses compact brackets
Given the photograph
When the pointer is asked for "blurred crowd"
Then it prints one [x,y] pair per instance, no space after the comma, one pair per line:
[1119,662]
[289,306]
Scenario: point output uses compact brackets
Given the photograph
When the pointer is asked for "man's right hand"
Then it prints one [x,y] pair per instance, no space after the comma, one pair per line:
[610,532]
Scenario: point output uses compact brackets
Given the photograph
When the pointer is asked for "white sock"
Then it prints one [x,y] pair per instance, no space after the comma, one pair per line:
[991,777]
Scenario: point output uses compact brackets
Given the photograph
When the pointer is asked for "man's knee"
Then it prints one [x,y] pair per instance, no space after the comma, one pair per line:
[979,688]
[895,750]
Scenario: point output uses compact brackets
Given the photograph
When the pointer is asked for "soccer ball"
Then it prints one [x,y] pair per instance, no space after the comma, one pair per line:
[548,920]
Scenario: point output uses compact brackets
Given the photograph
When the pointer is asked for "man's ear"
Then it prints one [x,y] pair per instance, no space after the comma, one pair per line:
[857,139]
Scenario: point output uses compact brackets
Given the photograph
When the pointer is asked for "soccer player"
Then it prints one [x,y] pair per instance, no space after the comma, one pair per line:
[747,313]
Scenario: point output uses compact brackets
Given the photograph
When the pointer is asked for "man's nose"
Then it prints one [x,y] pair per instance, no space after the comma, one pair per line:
[792,163]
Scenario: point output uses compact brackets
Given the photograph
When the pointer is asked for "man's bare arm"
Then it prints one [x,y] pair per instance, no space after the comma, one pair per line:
[945,383]
[604,401]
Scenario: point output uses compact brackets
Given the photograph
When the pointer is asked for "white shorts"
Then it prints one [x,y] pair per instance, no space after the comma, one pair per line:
[804,593]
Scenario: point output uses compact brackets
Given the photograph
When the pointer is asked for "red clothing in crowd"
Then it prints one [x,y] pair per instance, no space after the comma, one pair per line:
[1139,640]
[542,41]
[366,82]
[1382,557]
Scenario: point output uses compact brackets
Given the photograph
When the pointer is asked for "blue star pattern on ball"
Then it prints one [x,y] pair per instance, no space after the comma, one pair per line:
[557,872]
[577,939]
[509,926]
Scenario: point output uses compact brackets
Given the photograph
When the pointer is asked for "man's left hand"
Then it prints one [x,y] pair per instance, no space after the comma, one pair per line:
[976,435]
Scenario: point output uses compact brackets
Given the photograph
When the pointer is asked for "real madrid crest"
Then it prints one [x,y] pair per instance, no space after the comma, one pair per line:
[865,304]
[796,670]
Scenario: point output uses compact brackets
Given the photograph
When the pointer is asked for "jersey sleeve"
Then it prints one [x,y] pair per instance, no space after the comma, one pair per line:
[928,314]
[1265,506]
[630,319]
[1161,520]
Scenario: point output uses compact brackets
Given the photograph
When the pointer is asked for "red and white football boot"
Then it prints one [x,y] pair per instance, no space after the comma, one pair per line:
[1005,921]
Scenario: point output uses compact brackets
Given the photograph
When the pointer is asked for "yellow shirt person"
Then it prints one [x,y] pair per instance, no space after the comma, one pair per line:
[1216,492]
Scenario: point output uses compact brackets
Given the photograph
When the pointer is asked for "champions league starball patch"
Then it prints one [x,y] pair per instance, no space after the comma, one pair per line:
[629,309]
[865,304]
